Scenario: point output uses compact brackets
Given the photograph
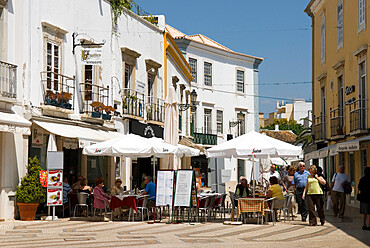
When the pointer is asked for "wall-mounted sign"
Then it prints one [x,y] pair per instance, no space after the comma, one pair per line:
[350,101]
[350,89]
[70,143]
[348,146]
[91,56]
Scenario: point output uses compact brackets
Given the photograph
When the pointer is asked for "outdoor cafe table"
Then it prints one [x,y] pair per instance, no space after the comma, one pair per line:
[123,201]
[251,205]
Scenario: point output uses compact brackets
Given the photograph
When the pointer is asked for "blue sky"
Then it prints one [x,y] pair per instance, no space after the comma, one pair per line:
[278,31]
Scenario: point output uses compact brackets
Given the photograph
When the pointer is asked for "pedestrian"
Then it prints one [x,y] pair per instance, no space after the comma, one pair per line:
[299,184]
[314,196]
[364,198]
[337,192]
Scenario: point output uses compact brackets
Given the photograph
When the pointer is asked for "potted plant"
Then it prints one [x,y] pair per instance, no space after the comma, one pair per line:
[50,98]
[108,110]
[30,192]
[66,97]
[97,109]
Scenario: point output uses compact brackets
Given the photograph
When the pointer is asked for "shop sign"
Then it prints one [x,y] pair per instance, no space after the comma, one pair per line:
[91,56]
[83,143]
[333,152]
[55,197]
[70,143]
[37,138]
[350,89]
[350,101]
[348,147]
[225,176]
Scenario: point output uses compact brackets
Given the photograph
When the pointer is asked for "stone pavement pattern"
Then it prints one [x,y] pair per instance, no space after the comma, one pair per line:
[64,233]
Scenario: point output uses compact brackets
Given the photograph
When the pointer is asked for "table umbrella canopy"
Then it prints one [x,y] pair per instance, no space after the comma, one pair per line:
[181,149]
[256,144]
[130,145]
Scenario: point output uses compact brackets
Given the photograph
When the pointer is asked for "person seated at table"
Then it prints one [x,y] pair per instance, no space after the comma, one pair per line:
[101,199]
[242,189]
[275,191]
[149,190]
[77,184]
[84,188]
[117,189]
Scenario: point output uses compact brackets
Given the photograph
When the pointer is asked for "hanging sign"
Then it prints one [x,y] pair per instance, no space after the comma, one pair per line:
[348,146]
[164,192]
[43,175]
[54,160]
[55,197]
[184,181]
[91,56]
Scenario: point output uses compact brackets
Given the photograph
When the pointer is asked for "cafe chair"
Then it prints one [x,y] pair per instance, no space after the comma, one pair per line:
[270,210]
[142,206]
[106,207]
[81,203]
[233,205]
[219,205]
[286,208]
[205,206]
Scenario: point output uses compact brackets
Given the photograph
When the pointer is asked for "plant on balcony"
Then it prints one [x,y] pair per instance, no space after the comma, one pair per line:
[97,109]
[51,98]
[108,110]
[30,192]
[149,112]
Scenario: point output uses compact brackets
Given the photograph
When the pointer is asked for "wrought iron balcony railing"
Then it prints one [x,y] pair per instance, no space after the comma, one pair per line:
[155,109]
[133,103]
[205,137]
[319,127]
[337,122]
[357,115]
[95,97]
[8,80]
[58,89]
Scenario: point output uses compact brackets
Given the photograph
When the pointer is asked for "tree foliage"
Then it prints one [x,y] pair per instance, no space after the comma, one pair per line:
[305,136]
[284,124]
[118,7]
[31,190]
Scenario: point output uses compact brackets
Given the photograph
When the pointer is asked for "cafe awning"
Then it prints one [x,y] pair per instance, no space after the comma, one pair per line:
[85,135]
[12,122]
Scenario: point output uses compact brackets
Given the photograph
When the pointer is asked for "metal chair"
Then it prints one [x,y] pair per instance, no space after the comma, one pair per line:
[143,206]
[206,207]
[81,202]
[221,205]
[106,207]
[270,210]
[286,208]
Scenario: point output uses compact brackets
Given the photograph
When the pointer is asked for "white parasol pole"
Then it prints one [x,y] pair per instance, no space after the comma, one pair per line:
[254,181]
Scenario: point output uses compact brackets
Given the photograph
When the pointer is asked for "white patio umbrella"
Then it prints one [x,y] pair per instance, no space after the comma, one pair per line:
[130,145]
[181,149]
[253,145]
[171,125]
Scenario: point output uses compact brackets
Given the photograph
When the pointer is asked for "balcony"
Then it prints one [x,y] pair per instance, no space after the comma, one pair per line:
[95,101]
[357,117]
[155,109]
[57,94]
[337,128]
[133,103]
[205,137]
[319,128]
[8,80]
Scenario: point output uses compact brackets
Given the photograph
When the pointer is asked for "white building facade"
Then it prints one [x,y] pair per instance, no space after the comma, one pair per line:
[226,83]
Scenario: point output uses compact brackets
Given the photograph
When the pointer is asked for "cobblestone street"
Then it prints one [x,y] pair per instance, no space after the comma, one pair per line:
[64,233]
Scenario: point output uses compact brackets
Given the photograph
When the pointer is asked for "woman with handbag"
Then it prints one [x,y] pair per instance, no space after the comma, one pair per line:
[364,198]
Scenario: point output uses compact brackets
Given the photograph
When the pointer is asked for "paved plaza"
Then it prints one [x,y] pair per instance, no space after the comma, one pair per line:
[65,233]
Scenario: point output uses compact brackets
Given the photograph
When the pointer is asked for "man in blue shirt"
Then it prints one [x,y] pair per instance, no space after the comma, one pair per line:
[299,183]
[149,190]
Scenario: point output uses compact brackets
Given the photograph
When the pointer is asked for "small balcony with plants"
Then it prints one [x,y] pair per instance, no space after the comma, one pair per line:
[357,117]
[8,82]
[155,109]
[58,94]
[204,136]
[337,128]
[133,104]
[319,128]
[95,102]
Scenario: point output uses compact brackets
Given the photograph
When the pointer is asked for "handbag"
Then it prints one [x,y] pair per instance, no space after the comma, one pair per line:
[329,203]
[347,187]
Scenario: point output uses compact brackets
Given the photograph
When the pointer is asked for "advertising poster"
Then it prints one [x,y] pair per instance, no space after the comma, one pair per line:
[55,178]
[43,174]
[55,197]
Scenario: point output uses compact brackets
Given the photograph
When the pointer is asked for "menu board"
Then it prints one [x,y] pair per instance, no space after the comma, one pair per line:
[184,182]
[55,178]
[164,192]
[55,197]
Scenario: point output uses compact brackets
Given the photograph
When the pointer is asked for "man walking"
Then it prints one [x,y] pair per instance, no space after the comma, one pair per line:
[337,192]
[299,183]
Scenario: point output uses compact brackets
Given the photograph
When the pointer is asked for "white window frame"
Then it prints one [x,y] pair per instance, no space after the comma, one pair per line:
[240,82]
[323,38]
[194,69]
[340,24]
[220,121]
[53,68]
[207,75]
[361,15]
[207,121]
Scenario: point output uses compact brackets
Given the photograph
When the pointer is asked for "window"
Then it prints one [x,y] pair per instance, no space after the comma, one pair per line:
[52,66]
[341,101]
[207,121]
[363,161]
[240,81]
[88,82]
[207,74]
[323,38]
[193,66]
[128,71]
[241,126]
[362,94]
[361,14]
[150,85]
[219,121]
[340,23]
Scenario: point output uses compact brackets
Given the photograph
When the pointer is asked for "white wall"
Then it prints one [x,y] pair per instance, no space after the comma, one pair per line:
[301,110]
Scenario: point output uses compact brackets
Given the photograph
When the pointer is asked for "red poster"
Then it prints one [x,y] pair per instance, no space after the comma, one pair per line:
[43,174]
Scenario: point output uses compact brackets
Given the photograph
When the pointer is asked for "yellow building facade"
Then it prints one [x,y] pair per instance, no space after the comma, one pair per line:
[340,89]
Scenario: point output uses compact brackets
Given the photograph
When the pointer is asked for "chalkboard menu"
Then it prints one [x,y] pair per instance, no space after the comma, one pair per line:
[184,183]
[164,192]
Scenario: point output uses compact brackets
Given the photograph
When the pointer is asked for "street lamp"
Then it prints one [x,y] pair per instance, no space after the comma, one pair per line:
[192,105]
[240,119]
